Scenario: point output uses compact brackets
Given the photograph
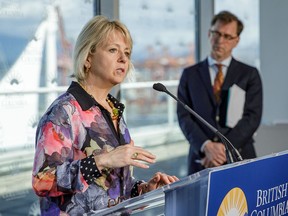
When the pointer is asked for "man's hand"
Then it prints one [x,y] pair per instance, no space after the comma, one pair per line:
[214,154]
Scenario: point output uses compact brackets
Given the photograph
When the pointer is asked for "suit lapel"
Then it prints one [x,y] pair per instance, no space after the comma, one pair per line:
[205,76]
[230,75]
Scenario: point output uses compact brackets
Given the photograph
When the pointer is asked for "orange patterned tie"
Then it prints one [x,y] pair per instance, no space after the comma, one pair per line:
[219,79]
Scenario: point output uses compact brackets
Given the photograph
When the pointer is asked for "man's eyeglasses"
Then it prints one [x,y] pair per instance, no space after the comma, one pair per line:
[217,34]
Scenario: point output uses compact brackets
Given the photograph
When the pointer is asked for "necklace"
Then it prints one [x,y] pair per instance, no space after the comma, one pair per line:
[115,111]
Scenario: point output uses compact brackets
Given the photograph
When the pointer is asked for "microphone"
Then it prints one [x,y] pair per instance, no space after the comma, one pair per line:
[232,153]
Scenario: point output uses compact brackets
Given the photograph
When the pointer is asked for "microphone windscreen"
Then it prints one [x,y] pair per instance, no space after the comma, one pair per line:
[159,87]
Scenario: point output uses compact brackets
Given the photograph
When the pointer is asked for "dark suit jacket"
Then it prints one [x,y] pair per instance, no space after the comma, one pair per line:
[196,91]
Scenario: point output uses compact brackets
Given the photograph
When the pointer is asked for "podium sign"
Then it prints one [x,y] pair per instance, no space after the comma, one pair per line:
[256,188]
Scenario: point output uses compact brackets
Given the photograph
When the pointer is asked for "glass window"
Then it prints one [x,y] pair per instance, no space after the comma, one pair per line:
[164,41]
[248,49]
[36,40]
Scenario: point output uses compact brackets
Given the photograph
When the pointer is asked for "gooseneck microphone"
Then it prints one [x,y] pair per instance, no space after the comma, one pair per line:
[232,153]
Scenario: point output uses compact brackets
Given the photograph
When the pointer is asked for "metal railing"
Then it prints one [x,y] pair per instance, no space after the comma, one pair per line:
[148,85]
[154,136]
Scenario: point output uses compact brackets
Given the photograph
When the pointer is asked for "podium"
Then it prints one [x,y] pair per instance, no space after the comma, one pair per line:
[251,187]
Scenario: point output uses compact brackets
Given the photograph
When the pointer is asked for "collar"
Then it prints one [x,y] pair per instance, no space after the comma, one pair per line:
[86,101]
[83,98]
[226,62]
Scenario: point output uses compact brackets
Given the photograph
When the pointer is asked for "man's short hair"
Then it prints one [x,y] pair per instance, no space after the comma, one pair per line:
[228,17]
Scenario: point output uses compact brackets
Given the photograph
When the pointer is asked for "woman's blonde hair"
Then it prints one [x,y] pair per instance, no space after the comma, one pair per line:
[93,35]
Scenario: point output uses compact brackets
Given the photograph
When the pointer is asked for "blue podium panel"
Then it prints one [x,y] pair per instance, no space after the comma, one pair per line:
[256,188]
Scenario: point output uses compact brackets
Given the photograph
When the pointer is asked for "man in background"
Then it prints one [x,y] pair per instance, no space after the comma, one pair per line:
[212,88]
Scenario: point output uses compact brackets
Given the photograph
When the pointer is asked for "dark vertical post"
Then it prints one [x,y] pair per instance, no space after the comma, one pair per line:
[197,30]
[97,7]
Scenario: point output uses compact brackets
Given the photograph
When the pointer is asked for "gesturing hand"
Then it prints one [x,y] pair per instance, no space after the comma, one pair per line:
[125,155]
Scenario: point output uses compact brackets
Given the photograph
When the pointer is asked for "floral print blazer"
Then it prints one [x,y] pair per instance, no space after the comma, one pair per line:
[74,129]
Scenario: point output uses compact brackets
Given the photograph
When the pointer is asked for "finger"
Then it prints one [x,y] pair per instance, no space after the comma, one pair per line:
[146,155]
[164,179]
[172,178]
[217,163]
[144,152]
[157,176]
[167,178]
[220,159]
[205,162]
[143,158]
[175,178]
[142,165]
[210,164]
[221,154]
[140,150]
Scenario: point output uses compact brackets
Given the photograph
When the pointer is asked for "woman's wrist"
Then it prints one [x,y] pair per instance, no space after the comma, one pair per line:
[99,163]
[143,188]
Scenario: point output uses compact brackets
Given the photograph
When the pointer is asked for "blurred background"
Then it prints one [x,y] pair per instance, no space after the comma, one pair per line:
[36,43]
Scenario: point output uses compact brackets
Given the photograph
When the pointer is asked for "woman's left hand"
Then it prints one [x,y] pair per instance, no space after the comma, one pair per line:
[158,180]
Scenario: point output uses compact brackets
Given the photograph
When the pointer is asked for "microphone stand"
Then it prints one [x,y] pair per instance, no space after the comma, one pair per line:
[232,156]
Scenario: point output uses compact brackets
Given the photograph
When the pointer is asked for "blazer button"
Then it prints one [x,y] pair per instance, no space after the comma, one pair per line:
[215,139]
[217,118]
